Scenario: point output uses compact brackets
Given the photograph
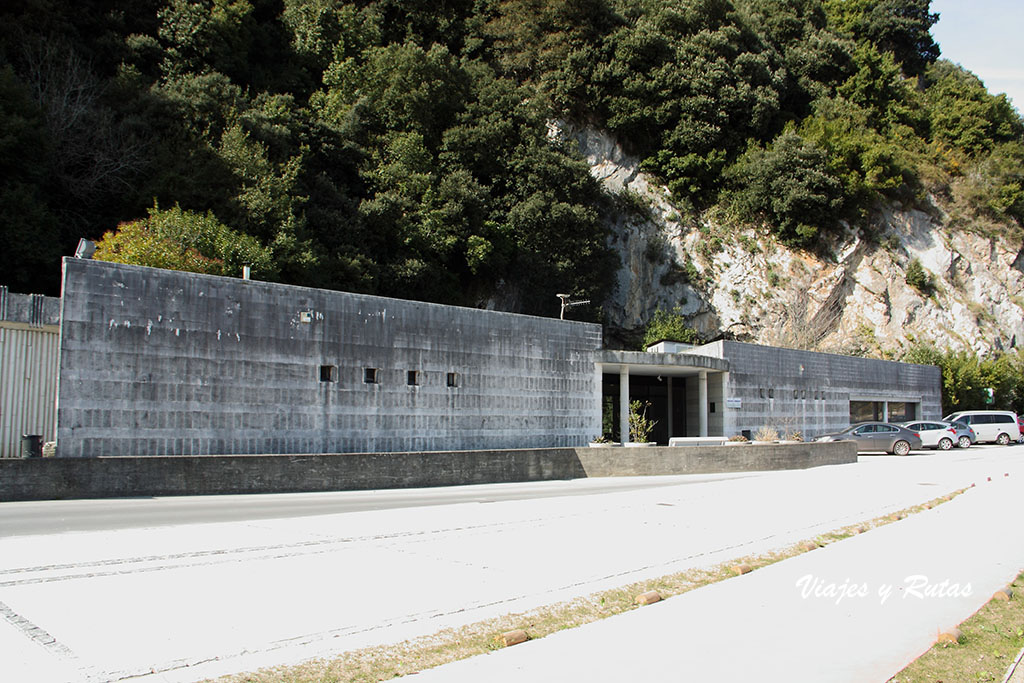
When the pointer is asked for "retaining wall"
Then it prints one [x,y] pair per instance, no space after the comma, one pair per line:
[116,477]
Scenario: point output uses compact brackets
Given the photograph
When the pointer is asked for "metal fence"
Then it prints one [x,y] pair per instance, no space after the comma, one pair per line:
[29,358]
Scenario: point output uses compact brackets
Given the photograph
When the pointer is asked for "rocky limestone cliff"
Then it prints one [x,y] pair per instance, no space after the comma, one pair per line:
[745,285]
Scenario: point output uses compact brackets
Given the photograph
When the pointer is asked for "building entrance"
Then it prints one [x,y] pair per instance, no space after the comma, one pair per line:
[664,396]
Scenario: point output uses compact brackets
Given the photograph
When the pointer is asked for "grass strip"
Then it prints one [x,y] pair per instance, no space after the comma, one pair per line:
[992,638]
[386,662]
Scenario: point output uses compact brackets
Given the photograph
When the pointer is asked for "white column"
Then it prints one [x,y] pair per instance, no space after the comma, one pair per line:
[624,403]
[702,402]
[668,384]
[728,416]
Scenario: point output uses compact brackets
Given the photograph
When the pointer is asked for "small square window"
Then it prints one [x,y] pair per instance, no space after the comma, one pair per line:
[328,373]
[413,378]
[711,407]
[371,375]
[453,379]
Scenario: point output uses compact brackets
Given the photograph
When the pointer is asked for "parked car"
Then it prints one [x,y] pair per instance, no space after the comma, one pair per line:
[1000,426]
[878,436]
[941,435]
[965,436]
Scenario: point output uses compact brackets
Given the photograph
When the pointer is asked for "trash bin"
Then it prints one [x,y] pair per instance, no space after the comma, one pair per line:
[747,435]
[31,446]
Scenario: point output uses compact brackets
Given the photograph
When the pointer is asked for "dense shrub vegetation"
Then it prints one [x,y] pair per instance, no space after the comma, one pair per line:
[966,378]
[401,147]
[668,326]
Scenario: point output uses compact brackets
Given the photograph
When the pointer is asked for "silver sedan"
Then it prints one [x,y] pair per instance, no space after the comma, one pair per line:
[878,436]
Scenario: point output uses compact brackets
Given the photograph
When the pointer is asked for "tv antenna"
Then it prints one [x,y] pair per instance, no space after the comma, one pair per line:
[566,303]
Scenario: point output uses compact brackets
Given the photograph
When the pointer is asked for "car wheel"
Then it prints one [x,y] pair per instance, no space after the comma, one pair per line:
[901,448]
[964,442]
[945,444]
[1003,439]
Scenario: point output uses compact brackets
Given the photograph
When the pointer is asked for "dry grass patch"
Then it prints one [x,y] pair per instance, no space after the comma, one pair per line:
[392,661]
[990,643]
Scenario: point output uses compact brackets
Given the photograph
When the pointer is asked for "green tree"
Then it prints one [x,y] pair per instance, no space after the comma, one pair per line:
[901,27]
[868,162]
[963,113]
[966,378]
[687,84]
[669,326]
[791,185]
[184,240]
[996,186]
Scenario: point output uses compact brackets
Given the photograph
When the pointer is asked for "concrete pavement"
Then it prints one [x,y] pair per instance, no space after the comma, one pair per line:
[197,600]
[855,611]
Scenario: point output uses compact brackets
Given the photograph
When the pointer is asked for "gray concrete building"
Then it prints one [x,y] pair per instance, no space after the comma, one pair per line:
[727,388]
[156,362]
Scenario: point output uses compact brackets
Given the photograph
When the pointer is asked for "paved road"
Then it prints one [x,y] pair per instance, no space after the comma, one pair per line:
[194,600]
[54,517]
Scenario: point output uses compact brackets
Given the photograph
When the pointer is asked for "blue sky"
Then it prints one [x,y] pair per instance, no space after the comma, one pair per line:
[987,38]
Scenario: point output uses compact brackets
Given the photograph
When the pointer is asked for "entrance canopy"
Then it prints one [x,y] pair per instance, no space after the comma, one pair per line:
[671,401]
[665,364]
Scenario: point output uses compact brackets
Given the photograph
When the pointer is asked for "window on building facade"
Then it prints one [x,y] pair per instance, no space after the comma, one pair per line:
[371,375]
[413,378]
[453,379]
[328,373]
[865,411]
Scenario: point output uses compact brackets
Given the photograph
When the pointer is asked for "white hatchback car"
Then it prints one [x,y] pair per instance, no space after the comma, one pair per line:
[999,426]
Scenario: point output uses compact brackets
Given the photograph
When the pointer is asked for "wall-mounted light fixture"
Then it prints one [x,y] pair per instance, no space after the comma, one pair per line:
[85,249]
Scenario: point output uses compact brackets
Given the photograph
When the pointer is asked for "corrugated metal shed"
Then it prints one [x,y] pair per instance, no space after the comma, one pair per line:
[29,359]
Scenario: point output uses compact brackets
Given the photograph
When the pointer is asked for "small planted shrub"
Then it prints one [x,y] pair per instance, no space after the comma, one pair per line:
[640,426]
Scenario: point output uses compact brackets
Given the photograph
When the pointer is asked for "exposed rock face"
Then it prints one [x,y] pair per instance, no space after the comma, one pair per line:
[750,287]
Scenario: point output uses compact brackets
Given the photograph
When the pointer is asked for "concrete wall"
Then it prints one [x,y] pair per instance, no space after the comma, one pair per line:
[62,478]
[34,310]
[811,392]
[157,362]
[663,460]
